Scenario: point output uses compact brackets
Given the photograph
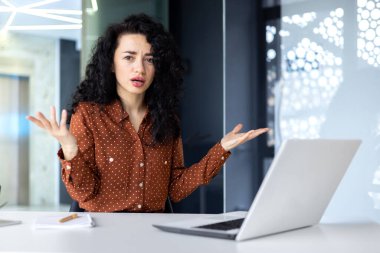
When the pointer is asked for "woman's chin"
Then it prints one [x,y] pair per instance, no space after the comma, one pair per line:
[131,89]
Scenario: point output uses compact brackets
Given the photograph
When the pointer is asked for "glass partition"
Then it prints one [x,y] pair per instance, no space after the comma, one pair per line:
[323,60]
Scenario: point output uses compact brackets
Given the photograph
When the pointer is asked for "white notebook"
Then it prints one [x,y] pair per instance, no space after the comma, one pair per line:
[52,221]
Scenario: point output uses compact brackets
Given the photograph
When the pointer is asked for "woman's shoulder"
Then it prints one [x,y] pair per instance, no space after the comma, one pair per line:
[87,107]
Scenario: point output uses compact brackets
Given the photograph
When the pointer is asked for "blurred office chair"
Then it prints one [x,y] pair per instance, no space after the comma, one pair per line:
[168,206]
[74,207]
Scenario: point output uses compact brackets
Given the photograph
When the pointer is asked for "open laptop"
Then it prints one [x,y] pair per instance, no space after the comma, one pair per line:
[294,193]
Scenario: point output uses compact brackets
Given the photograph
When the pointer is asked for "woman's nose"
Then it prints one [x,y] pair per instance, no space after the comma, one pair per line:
[139,66]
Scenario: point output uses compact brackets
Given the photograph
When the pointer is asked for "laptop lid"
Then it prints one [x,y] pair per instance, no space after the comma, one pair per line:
[298,186]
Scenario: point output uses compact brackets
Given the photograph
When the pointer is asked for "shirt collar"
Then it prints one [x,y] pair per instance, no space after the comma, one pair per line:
[116,111]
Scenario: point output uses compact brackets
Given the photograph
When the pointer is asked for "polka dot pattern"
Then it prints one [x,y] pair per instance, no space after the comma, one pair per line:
[119,169]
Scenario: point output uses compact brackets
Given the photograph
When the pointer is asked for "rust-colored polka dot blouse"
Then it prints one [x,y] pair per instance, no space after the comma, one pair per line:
[118,169]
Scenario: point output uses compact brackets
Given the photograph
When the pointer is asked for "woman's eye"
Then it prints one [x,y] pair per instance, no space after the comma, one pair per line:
[149,60]
[128,58]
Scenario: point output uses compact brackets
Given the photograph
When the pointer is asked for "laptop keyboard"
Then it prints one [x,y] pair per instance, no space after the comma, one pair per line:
[225,225]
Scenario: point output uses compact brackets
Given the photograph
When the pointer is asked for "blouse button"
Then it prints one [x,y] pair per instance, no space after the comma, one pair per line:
[68,167]
[166,162]
[141,184]
[222,158]
[141,164]
[111,160]
[139,206]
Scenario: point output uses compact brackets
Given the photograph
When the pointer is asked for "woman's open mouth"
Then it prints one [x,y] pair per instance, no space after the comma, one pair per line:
[138,81]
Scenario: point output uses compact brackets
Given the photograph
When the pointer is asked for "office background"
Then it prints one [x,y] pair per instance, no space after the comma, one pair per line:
[306,69]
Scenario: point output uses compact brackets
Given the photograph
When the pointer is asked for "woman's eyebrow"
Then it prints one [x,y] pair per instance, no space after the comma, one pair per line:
[129,52]
[134,53]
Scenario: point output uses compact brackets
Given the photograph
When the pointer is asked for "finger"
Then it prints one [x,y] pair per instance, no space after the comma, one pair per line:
[257,132]
[262,130]
[243,137]
[44,121]
[35,121]
[62,124]
[53,118]
[237,128]
[252,134]
[237,140]
[246,136]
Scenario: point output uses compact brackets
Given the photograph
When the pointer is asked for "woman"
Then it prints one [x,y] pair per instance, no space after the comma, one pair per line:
[123,151]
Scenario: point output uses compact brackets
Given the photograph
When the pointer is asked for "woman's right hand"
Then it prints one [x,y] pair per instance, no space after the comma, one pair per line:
[60,132]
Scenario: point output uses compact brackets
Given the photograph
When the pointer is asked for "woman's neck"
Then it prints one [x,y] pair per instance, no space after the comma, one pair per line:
[133,104]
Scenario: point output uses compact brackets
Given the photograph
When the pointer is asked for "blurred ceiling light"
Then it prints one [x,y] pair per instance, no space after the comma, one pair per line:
[94,7]
[9,21]
[50,14]
[44,27]
[40,3]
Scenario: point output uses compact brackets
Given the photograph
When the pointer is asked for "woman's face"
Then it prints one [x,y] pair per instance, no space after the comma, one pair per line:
[133,65]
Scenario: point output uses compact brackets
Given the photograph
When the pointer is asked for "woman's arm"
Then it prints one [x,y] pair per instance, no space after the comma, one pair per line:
[185,180]
[79,172]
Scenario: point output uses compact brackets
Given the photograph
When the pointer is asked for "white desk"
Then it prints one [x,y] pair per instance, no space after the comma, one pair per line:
[119,232]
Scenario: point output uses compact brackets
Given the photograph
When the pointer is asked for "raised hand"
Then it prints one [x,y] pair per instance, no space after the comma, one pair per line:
[60,132]
[234,138]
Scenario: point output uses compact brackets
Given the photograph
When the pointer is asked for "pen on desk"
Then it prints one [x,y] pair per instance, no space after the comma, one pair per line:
[70,217]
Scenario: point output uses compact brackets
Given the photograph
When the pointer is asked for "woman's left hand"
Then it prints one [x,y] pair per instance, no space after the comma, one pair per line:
[234,138]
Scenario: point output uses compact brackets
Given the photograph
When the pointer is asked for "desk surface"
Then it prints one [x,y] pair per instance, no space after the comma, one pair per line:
[120,232]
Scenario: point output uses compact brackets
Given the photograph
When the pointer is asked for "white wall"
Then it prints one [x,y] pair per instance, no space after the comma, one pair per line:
[36,58]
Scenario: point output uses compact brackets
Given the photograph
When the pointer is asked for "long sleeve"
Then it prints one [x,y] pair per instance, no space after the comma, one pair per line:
[80,174]
[185,180]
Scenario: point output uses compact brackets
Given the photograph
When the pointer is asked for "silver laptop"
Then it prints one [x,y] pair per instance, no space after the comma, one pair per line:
[294,194]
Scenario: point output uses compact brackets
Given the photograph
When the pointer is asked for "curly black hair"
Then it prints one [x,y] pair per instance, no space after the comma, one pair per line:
[162,97]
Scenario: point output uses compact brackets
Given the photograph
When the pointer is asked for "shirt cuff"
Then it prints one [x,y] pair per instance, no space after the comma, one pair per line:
[224,154]
[219,157]
[66,165]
